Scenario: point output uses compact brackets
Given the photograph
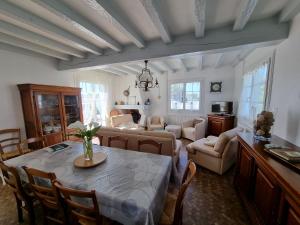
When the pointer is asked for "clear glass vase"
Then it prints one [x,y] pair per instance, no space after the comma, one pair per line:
[88,149]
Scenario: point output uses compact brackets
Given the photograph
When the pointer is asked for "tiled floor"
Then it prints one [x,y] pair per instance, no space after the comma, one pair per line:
[210,200]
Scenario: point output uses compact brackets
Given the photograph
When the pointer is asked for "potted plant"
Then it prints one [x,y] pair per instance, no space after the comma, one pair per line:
[86,133]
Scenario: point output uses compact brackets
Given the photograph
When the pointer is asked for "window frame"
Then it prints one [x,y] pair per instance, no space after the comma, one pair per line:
[184,110]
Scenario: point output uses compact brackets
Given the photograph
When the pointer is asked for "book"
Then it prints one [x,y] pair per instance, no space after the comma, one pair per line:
[58,147]
[291,156]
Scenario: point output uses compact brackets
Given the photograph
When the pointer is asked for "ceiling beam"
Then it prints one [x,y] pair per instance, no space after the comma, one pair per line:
[125,69]
[155,68]
[166,66]
[43,27]
[59,9]
[132,67]
[109,72]
[7,39]
[291,9]
[259,33]
[114,71]
[117,70]
[34,38]
[121,22]
[246,9]
[242,55]
[199,17]
[200,62]
[220,60]
[182,65]
[153,9]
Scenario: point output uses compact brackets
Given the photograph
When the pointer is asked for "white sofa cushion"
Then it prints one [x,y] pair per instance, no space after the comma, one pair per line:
[200,146]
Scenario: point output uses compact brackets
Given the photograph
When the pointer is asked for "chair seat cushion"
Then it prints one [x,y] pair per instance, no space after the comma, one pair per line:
[211,141]
[169,210]
[156,126]
[200,146]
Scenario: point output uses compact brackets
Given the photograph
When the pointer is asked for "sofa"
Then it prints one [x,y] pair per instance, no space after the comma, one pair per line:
[170,146]
[194,129]
[217,154]
[155,123]
[124,121]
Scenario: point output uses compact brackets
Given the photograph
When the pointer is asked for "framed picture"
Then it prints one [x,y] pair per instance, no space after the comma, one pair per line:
[215,87]
[131,100]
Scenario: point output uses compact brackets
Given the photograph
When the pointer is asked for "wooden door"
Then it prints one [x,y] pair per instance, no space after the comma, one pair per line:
[265,197]
[244,176]
[49,116]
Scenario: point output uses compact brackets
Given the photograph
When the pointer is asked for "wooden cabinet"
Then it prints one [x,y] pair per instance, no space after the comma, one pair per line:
[218,124]
[48,110]
[269,189]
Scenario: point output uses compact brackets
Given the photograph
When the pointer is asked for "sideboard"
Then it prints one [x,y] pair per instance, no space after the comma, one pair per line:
[268,188]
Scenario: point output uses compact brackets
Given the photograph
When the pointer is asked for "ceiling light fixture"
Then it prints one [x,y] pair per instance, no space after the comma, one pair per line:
[145,79]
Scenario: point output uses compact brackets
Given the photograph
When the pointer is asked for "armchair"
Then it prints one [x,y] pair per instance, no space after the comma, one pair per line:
[194,129]
[218,157]
[155,122]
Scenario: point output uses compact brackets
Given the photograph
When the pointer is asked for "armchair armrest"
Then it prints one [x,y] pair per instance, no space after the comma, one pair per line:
[200,129]
[188,123]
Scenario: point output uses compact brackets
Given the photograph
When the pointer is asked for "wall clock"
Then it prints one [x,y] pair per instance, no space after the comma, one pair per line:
[215,86]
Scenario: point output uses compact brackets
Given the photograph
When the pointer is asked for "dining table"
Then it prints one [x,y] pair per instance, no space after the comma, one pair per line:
[130,186]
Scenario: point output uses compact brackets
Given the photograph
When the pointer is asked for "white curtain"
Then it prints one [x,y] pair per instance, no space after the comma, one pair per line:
[97,96]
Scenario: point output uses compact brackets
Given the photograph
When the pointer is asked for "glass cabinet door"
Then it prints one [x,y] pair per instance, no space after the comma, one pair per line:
[49,113]
[72,109]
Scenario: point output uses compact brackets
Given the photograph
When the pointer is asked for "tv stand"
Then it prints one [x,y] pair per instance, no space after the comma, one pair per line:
[219,123]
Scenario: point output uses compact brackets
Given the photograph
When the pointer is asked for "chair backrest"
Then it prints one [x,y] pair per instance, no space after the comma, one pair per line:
[118,142]
[78,210]
[41,183]
[150,146]
[10,138]
[12,178]
[40,141]
[188,175]
[100,139]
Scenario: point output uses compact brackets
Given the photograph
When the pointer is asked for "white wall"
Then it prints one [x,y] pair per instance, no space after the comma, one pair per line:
[159,106]
[17,69]
[285,96]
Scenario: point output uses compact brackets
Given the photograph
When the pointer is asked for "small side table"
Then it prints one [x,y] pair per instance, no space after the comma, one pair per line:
[176,129]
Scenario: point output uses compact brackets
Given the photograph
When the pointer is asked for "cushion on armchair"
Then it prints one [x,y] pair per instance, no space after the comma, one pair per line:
[155,120]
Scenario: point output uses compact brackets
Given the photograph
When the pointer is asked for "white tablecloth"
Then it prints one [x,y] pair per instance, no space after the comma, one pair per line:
[130,186]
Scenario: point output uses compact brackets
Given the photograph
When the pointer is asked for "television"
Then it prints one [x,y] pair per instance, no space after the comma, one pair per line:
[222,107]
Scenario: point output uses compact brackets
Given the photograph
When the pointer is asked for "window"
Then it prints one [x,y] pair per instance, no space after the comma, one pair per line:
[94,102]
[254,92]
[185,96]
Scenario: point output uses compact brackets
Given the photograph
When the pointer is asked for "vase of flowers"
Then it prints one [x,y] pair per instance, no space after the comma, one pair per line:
[262,125]
[86,133]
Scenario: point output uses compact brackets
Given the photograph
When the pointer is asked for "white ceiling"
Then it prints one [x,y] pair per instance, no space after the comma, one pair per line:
[85,29]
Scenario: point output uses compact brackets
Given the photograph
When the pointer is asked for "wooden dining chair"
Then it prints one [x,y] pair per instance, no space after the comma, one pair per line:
[37,142]
[23,195]
[41,184]
[150,146]
[173,209]
[118,142]
[79,213]
[100,139]
[10,140]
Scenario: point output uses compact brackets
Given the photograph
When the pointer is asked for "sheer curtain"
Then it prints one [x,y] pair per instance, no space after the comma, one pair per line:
[254,93]
[96,93]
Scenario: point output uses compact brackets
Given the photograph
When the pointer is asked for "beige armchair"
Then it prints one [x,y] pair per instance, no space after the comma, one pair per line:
[218,157]
[194,129]
[155,122]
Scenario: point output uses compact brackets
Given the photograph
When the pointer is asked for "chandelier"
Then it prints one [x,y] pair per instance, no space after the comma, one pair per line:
[145,79]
